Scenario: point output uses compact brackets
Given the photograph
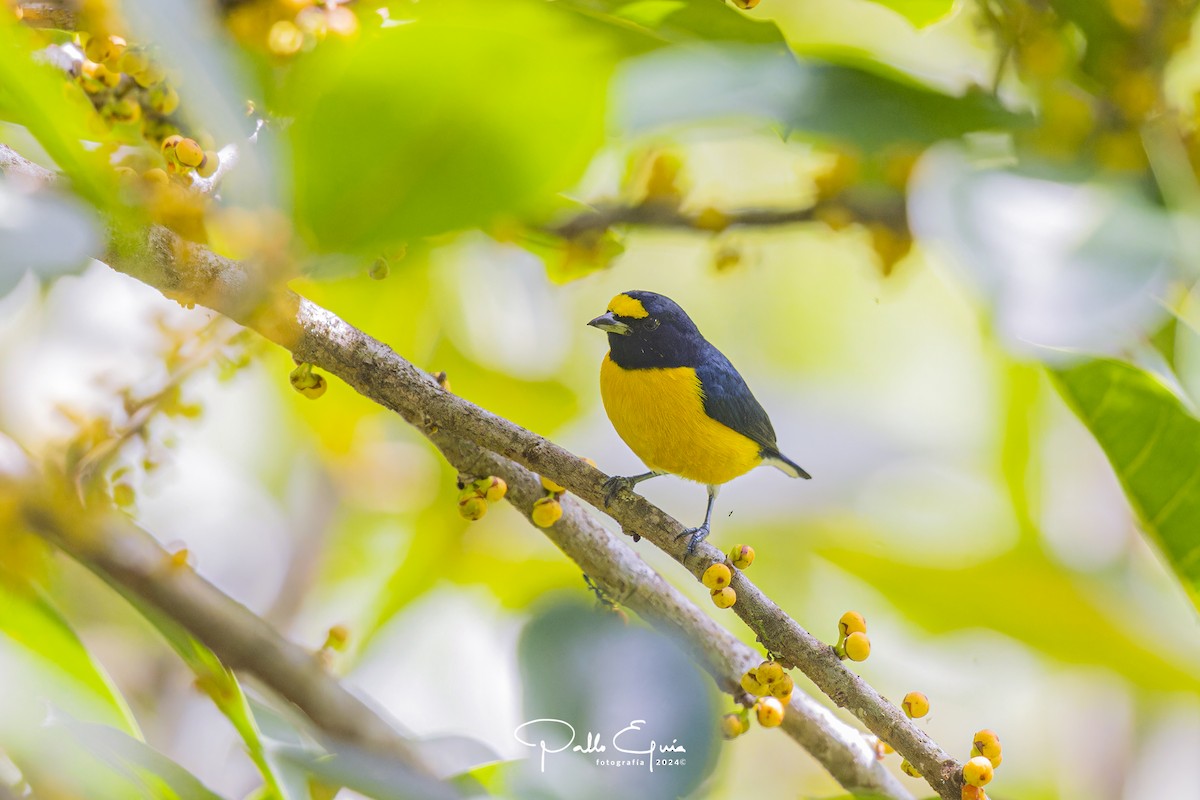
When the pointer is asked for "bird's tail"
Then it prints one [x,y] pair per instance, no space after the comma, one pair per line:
[784,464]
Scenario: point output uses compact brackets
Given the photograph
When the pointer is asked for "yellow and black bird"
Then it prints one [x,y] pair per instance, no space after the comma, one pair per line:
[678,403]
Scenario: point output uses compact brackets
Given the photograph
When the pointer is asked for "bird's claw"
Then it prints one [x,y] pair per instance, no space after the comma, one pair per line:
[698,535]
[613,486]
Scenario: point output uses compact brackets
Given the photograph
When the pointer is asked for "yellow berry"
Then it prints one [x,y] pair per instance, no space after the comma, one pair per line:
[987,744]
[180,559]
[164,99]
[551,486]
[317,388]
[123,495]
[908,769]
[473,507]
[189,153]
[769,712]
[783,688]
[724,598]
[752,685]
[167,148]
[978,771]
[731,726]
[717,576]
[858,646]
[132,61]
[208,167]
[742,555]
[852,622]
[495,490]
[337,638]
[100,48]
[546,512]
[379,269]
[970,792]
[151,75]
[124,110]
[156,177]
[769,671]
[915,705]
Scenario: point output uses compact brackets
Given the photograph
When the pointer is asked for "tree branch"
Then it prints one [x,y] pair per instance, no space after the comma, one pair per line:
[127,557]
[193,274]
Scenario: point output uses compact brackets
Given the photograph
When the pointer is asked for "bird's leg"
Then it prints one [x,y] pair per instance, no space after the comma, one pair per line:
[698,534]
[616,483]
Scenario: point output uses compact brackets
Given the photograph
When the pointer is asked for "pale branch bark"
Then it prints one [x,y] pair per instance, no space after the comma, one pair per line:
[111,546]
[191,273]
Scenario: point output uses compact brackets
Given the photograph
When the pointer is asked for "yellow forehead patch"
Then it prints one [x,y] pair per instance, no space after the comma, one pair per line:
[625,306]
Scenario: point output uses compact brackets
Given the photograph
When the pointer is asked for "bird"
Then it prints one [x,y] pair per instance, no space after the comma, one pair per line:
[678,402]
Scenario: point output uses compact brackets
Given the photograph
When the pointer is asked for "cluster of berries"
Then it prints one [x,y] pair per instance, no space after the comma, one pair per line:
[772,687]
[852,642]
[718,576]
[474,498]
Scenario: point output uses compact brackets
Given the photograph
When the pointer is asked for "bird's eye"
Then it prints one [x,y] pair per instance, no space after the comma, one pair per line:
[652,325]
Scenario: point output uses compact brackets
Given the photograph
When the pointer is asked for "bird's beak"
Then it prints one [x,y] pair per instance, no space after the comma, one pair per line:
[608,322]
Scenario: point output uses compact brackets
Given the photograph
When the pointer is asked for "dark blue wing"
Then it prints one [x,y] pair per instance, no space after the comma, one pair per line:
[728,400]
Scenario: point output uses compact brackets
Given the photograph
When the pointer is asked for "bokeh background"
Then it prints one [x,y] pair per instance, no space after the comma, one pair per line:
[957,501]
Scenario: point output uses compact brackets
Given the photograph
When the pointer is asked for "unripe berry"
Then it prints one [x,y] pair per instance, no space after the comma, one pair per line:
[987,744]
[379,269]
[208,167]
[167,148]
[769,712]
[495,490]
[978,771]
[724,598]
[551,486]
[852,622]
[742,555]
[717,576]
[473,507]
[858,646]
[189,153]
[769,671]
[752,685]
[783,688]
[151,75]
[908,769]
[915,705]
[546,512]
[712,219]
[731,726]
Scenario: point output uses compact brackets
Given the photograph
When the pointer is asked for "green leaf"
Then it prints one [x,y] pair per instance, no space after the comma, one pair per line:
[919,12]
[473,111]
[148,772]
[1153,443]
[61,662]
[224,689]
[689,85]
[645,24]
[1021,588]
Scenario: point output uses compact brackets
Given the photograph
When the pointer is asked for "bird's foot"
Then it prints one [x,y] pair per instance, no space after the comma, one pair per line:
[698,535]
[614,485]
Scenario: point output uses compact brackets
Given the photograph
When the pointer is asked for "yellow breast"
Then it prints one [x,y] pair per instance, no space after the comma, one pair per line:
[660,415]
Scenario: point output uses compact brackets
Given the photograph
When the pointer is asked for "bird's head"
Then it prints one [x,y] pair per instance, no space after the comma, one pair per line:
[649,329]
